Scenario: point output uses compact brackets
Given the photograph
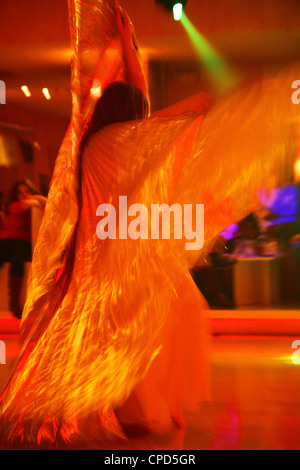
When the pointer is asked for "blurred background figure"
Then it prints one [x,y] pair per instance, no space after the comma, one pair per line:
[15,237]
[281,222]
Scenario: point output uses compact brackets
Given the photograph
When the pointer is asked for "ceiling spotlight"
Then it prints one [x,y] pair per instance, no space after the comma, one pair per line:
[26,91]
[177,11]
[175,6]
[46,93]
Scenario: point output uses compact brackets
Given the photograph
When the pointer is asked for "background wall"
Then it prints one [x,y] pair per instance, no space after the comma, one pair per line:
[44,131]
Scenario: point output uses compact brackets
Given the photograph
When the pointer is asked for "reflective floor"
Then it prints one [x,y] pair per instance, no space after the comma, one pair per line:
[255,398]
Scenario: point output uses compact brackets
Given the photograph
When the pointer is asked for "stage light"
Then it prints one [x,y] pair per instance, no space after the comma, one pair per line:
[177,11]
[26,91]
[222,75]
[46,93]
[175,6]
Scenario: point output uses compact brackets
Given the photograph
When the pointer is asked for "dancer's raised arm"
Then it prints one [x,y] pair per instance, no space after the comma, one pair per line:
[134,69]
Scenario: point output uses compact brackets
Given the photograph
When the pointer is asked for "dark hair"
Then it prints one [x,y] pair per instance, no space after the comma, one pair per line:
[13,192]
[120,102]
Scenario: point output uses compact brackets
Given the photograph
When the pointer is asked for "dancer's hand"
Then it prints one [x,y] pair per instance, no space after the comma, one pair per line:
[204,102]
[134,69]
[124,24]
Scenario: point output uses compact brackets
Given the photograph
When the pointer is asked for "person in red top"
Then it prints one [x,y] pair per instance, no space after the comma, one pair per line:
[15,238]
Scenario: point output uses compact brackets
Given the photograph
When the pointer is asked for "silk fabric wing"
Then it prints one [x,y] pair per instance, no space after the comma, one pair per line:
[96,309]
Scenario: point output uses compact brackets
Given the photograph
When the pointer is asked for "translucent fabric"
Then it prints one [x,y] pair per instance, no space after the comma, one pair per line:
[108,319]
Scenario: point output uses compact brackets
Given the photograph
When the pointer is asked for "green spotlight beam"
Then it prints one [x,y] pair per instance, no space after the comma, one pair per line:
[220,72]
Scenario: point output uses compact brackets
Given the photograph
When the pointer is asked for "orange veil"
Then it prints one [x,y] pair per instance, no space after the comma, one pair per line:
[95,311]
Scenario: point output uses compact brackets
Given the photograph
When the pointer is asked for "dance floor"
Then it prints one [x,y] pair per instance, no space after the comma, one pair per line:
[255,401]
